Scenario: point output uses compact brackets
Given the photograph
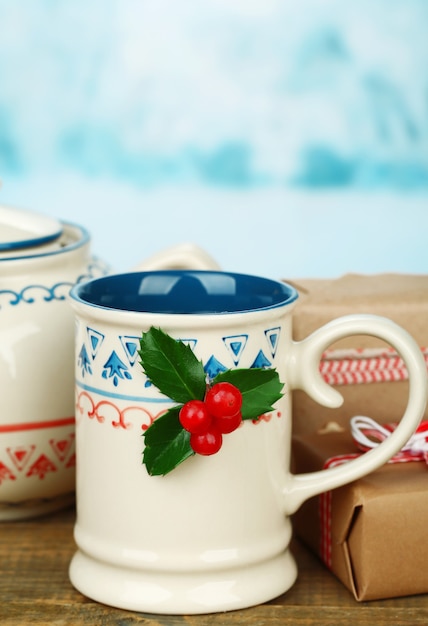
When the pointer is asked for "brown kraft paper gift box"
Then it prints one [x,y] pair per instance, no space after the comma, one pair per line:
[400,297]
[377,537]
[372,534]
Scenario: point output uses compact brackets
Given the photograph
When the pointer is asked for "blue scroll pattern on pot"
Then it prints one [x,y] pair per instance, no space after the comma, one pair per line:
[116,363]
[33,293]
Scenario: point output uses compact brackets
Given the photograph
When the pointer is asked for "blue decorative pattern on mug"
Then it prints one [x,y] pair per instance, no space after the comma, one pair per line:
[84,362]
[130,346]
[213,367]
[95,340]
[261,361]
[272,335]
[117,361]
[115,369]
[236,344]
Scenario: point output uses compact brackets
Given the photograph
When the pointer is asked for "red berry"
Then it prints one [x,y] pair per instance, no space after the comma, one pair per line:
[206,443]
[223,400]
[228,423]
[194,416]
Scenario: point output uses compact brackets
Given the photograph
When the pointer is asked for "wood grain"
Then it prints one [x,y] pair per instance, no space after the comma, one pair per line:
[35,589]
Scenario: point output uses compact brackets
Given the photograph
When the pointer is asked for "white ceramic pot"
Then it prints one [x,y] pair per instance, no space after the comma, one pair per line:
[40,260]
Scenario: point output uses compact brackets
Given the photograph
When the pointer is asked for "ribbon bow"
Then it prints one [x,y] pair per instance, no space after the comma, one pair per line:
[368,434]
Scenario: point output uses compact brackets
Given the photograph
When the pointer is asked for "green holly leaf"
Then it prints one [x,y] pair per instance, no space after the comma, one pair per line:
[166,444]
[172,367]
[260,389]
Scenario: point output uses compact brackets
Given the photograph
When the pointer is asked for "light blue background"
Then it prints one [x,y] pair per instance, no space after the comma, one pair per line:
[288,139]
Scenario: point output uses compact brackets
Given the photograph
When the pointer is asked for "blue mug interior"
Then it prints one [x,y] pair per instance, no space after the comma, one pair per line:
[184,292]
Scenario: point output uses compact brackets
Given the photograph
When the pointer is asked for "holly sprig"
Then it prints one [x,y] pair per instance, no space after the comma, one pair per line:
[172,367]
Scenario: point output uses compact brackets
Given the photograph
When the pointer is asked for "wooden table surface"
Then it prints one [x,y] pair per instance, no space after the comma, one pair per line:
[34,589]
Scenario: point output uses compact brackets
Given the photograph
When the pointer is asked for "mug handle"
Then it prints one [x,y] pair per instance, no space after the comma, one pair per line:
[184,256]
[303,373]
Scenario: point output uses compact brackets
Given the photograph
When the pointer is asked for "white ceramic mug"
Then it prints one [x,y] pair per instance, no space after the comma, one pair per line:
[213,534]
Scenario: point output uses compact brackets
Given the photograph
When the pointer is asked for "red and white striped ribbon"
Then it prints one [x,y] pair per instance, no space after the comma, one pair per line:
[368,434]
[350,367]
[325,509]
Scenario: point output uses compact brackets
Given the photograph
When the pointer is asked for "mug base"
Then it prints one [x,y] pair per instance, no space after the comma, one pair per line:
[11,511]
[182,593]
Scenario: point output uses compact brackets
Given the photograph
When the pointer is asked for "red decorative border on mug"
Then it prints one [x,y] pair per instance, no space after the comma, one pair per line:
[103,409]
[96,409]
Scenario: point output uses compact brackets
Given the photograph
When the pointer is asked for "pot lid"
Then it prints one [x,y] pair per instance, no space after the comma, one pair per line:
[20,228]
